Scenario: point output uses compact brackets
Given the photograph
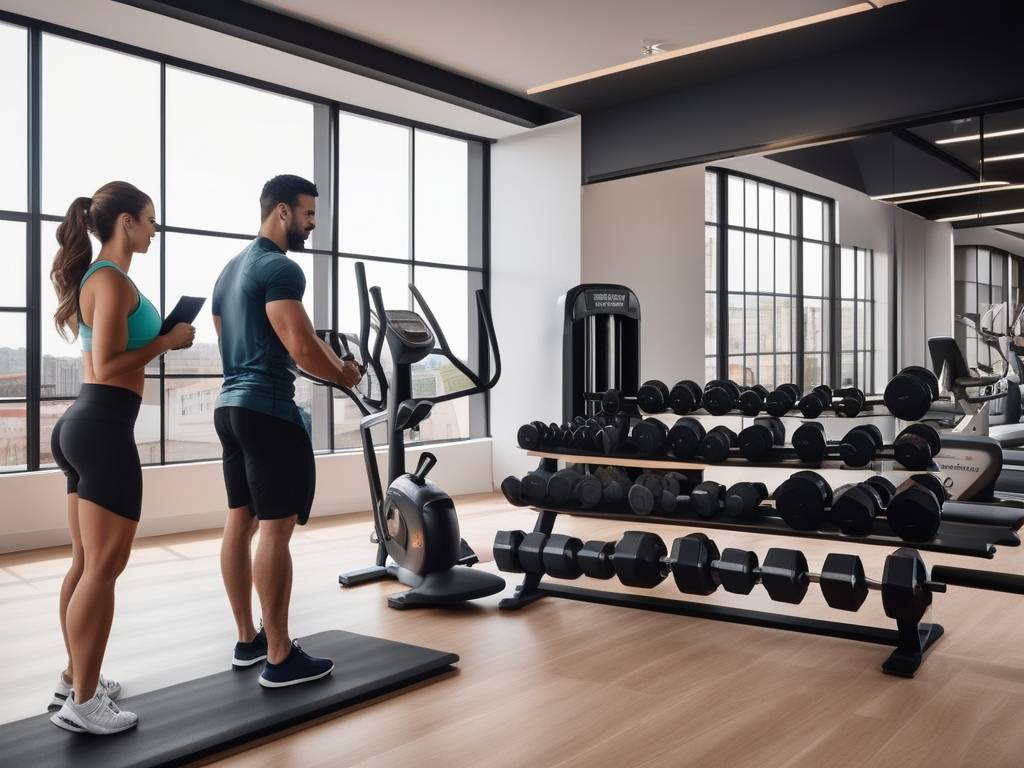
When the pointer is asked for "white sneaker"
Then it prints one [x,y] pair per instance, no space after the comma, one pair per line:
[110,687]
[98,715]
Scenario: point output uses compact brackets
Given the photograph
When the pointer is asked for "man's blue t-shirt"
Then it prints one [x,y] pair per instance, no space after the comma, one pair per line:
[257,368]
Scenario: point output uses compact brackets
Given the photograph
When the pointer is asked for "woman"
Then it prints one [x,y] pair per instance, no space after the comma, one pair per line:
[94,440]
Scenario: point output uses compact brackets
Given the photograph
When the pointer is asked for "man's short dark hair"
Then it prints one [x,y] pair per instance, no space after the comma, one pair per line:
[286,189]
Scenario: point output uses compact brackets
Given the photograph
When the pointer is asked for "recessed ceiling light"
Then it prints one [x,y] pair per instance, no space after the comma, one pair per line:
[806,21]
[976,136]
[974,185]
[986,215]
[997,158]
[1000,188]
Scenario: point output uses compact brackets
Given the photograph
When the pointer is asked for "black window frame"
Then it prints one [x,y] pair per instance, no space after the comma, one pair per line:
[859,377]
[830,250]
[33,217]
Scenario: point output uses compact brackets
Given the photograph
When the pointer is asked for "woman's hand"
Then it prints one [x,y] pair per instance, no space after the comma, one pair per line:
[180,336]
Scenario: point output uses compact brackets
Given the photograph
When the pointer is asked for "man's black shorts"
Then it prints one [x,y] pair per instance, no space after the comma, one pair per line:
[268,463]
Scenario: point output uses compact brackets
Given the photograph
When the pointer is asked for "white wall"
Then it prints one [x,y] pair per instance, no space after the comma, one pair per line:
[925,250]
[647,232]
[535,258]
[189,497]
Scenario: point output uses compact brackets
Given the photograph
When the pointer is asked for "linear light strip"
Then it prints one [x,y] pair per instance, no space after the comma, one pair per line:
[986,215]
[785,26]
[976,136]
[973,185]
[997,158]
[961,194]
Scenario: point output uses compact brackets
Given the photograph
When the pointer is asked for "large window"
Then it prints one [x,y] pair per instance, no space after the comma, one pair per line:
[406,199]
[797,306]
[775,246]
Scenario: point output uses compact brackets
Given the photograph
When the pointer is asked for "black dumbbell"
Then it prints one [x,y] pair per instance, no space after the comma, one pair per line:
[612,438]
[685,437]
[742,499]
[685,397]
[651,397]
[782,399]
[595,559]
[570,487]
[534,435]
[909,393]
[849,401]
[614,484]
[559,556]
[704,500]
[857,448]
[720,396]
[757,441]
[699,568]
[649,437]
[638,559]
[802,500]
[531,552]
[512,491]
[916,446]
[538,553]
[814,403]
[506,550]
[647,492]
[856,505]
[751,401]
[915,511]
[717,444]
[533,487]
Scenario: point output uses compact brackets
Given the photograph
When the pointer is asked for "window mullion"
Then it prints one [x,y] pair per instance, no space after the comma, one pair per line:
[33,362]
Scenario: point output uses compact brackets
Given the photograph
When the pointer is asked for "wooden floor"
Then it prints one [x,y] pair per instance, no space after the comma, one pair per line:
[561,683]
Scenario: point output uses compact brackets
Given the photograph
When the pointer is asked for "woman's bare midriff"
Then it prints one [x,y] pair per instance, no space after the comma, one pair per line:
[134,380]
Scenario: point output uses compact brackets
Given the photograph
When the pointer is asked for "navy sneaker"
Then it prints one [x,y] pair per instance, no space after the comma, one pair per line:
[247,654]
[299,667]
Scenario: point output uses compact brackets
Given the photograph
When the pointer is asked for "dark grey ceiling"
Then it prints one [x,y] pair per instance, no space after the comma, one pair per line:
[921,158]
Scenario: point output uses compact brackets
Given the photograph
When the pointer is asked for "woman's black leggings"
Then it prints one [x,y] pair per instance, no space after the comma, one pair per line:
[94,444]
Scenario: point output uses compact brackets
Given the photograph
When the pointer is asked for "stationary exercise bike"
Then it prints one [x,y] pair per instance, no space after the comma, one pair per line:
[415,523]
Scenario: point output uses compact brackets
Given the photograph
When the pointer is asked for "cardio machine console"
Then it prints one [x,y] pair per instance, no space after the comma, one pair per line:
[408,336]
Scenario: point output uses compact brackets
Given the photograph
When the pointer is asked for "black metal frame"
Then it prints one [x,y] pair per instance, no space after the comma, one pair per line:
[869,270]
[34,216]
[830,246]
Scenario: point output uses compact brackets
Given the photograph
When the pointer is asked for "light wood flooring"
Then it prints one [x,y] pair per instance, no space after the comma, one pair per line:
[561,683]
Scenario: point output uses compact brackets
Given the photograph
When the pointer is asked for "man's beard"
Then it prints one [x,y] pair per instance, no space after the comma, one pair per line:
[297,240]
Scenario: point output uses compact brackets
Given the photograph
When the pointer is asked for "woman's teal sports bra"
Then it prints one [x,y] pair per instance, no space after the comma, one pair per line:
[143,323]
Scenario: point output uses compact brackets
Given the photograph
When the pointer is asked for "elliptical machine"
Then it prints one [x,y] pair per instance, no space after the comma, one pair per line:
[415,523]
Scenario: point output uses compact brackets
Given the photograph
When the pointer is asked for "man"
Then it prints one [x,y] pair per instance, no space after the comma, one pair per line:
[268,457]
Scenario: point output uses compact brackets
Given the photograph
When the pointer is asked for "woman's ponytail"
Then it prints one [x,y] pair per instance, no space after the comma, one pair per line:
[98,215]
[70,265]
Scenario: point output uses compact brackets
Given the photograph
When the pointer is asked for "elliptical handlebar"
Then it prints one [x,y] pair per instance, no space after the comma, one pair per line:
[371,359]
[484,315]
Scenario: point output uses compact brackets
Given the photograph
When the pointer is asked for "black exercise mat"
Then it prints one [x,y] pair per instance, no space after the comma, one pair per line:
[202,717]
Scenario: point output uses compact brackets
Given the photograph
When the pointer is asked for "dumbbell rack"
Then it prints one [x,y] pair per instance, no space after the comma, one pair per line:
[911,640]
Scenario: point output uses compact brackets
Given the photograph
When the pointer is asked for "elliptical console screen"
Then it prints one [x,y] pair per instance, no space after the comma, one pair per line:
[409,326]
